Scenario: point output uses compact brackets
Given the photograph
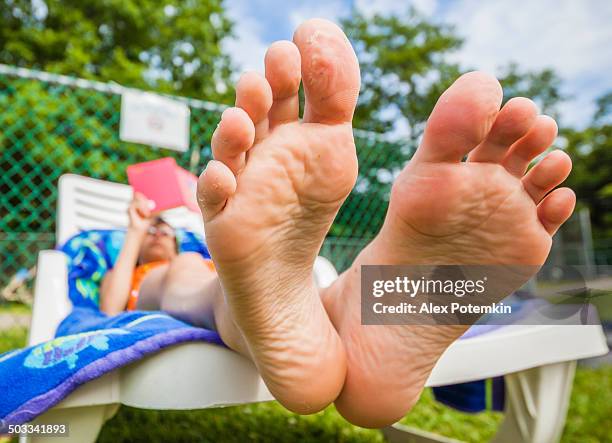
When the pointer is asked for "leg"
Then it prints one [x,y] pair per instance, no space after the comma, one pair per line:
[267,213]
[189,290]
[186,290]
[151,289]
[180,282]
[445,211]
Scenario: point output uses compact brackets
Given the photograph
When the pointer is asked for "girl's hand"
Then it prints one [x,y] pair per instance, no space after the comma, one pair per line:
[139,213]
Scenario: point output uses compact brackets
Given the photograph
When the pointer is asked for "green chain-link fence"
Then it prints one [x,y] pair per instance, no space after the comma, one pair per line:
[51,125]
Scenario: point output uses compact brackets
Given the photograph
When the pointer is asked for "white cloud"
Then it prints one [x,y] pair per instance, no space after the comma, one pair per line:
[572,37]
[247,49]
[395,7]
[330,10]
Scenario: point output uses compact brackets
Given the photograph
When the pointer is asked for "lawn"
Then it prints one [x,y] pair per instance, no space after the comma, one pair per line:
[15,308]
[589,418]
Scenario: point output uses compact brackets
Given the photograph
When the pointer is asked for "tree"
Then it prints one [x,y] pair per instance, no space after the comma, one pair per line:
[403,71]
[604,109]
[543,87]
[591,177]
[404,67]
[171,47]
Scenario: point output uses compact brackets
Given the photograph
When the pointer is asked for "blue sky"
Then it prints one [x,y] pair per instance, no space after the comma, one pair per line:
[574,37]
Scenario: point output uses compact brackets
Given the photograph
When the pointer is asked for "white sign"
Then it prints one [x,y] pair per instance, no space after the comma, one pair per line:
[154,120]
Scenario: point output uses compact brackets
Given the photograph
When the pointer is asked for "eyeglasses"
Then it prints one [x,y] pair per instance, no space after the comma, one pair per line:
[164,231]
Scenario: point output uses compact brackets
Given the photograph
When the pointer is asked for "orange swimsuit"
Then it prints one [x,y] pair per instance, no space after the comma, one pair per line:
[139,274]
[137,277]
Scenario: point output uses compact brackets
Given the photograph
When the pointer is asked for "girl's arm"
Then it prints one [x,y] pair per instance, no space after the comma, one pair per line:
[116,284]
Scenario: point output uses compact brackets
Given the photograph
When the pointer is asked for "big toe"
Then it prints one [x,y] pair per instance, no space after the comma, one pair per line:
[461,118]
[330,72]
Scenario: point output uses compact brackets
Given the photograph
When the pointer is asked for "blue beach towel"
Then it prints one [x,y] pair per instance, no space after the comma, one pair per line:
[89,343]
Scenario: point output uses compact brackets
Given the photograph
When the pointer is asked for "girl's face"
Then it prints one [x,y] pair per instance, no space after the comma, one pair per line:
[159,244]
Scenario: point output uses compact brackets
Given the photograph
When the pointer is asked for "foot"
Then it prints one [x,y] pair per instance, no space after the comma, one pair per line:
[268,200]
[445,211]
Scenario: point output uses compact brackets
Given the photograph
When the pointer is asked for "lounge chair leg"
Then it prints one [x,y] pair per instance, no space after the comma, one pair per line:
[84,423]
[536,407]
[536,404]
[399,433]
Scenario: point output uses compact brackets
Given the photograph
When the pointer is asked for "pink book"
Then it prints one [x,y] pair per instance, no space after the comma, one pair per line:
[164,182]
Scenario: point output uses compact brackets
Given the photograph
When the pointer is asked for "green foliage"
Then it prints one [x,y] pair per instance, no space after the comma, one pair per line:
[589,418]
[15,308]
[12,339]
[429,415]
[263,422]
[405,69]
[167,46]
[403,72]
[50,129]
[604,108]
[591,177]
[544,87]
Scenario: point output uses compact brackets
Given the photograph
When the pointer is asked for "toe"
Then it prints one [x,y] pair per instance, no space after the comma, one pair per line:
[537,140]
[514,121]
[232,138]
[556,208]
[283,66]
[254,95]
[215,185]
[330,72]
[547,174]
[461,118]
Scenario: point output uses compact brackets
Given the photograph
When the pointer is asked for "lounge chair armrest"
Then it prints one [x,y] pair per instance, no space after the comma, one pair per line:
[51,303]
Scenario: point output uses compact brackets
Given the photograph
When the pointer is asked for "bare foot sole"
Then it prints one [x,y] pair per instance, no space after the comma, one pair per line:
[445,211]
[268,200]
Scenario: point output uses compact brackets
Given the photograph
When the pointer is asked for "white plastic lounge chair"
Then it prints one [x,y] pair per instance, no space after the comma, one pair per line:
[538,361]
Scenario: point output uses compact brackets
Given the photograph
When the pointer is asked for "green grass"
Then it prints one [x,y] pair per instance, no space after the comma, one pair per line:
[14,308]
[264,422]
[431,416]
[590,411]
[269,422]
[603,302]
[12,338]
[589,418]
